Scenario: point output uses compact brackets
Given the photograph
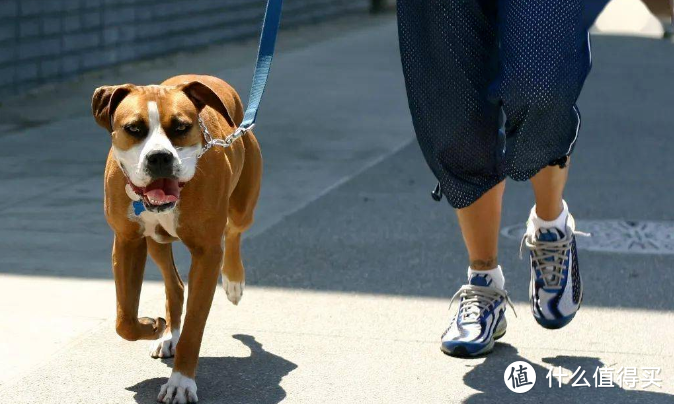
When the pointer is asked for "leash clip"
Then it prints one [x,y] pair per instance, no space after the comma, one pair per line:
[226,142]
[240,131]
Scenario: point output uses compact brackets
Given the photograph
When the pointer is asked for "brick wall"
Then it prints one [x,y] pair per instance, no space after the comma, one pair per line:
[47,40]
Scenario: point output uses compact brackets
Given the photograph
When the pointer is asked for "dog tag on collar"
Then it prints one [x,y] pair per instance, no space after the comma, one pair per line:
[138,207]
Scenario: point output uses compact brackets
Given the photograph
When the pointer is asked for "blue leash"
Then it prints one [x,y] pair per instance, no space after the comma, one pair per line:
[265,54]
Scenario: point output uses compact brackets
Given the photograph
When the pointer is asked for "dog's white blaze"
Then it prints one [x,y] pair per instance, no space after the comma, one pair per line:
[156,138]
[186,157]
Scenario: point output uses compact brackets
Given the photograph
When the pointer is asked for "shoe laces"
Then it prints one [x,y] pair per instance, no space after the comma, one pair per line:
[475,299]
[549,256]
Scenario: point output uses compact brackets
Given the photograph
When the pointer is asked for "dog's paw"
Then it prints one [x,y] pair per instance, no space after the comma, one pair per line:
[165,347]
[178,390]
[234,290]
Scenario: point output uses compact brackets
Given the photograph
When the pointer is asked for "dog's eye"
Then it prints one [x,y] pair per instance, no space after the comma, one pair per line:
[181,128]
[133,129]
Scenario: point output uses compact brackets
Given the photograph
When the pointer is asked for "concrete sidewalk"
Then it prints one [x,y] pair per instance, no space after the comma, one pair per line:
[351,264]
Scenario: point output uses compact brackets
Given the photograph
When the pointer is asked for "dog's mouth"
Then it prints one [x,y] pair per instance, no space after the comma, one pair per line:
[160,194]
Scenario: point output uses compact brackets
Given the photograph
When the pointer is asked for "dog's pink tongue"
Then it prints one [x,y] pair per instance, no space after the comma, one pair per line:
[163,191]
[158,197]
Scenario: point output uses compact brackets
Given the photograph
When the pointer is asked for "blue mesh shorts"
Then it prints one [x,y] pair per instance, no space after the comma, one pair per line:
[492,87]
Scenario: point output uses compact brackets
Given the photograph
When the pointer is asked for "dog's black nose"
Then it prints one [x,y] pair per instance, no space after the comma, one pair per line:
[160,164]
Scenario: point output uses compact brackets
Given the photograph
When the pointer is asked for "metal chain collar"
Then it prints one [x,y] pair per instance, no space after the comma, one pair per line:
[226,142]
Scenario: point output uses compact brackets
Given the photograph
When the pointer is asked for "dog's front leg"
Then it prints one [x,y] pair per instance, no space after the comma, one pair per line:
[128,265]
[162,254]
[203,279]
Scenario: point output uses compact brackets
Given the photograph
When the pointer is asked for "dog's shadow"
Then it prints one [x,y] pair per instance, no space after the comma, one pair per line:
[487,378]
[252,379]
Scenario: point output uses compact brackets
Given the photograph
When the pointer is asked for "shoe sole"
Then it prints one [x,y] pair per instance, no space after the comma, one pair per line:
[555,324]
[460,351]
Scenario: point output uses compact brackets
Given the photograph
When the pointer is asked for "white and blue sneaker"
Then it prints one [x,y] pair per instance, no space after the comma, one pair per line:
[480,319]
[556,289]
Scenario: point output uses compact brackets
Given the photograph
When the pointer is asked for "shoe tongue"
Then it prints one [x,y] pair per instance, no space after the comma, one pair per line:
[550,234]
[480,280]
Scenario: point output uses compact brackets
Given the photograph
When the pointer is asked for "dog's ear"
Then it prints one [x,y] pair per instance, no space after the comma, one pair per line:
[104,102]
[202,95]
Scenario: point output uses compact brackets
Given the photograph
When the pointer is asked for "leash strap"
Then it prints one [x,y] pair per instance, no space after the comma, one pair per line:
[265,54]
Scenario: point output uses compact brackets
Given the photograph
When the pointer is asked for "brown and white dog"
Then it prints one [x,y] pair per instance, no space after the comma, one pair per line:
[205,202]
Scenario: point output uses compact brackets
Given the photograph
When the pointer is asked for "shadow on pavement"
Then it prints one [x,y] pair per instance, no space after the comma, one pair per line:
[488,378]
[252,379]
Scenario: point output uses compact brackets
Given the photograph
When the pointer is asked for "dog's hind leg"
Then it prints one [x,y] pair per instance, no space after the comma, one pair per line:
[240,217]
[233,273]
[162,255]
[128,265]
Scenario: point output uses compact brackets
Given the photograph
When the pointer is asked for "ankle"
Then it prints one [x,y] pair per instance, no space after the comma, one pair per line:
[558,221]
[484,264]
[549,213]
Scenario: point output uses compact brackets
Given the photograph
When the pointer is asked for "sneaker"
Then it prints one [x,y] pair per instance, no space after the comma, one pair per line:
[556,289]
[480,319]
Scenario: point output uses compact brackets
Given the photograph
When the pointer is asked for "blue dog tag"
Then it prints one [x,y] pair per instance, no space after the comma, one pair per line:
[138,207]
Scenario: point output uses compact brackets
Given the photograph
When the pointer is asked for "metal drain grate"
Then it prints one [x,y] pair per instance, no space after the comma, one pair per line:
[620,236]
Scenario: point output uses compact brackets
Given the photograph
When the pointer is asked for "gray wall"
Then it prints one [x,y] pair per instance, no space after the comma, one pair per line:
[43,41]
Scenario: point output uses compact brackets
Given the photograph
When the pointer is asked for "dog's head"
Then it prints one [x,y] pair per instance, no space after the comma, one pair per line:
[155,135]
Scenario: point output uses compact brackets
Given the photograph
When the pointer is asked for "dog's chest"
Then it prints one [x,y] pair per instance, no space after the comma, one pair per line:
[160,226]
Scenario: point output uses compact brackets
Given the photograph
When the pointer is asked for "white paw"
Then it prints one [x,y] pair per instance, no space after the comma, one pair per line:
[165,347]
[178,390]
[234,290]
